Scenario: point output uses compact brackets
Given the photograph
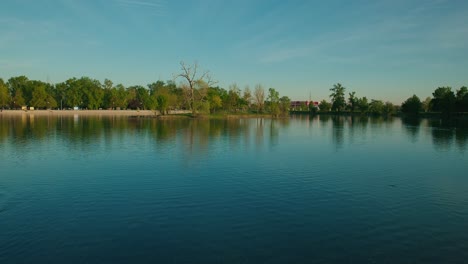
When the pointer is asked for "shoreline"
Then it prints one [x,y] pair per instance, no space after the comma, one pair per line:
[85,112]
[129,113]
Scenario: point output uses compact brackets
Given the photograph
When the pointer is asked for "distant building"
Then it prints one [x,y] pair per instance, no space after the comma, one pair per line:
[299,105]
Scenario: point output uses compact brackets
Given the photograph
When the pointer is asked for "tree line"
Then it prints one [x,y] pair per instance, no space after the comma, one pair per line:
[195,92]
[444,100]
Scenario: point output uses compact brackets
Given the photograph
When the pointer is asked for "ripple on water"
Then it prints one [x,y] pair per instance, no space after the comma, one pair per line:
[3,200]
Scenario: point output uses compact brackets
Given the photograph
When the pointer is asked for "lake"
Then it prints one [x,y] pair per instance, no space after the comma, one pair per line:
[323,189]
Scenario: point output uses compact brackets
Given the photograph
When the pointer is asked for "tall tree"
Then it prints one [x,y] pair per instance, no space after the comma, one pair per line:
[273,102]
[388,109]
[352,101]
[39,97]
[20,83]
[4,95]
[259,97]
[426,104]
[284,105]
[337,97]
[462,99]
[443,101]
[154,87]
[411,106]
[324,106]
[247,97]
[18,99]
[376,107]
[233,97]
[363,105]
[195,82]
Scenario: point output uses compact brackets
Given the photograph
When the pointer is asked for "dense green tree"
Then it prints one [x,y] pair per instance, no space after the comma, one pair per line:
[216,97]
[426,104]
[376,107]
[247,97]
[72,93]
[411,106]
[325,106]
[461,103]
[162,102]
[388,109]
[443,101]
[40,98]
[138,98]
[337,97]
[92,94]
[363,105]
[284,104]
[18,100]
[215,103]
[164,99]
[312,108]
[233,98]
[156,86]
[20,83]
[273,102]
[4,94]
[121,97]
[352,101]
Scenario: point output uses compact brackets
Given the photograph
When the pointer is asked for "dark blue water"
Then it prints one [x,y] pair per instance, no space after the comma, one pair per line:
[304,190]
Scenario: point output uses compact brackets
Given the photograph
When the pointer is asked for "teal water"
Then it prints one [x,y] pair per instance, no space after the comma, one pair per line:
[300,190]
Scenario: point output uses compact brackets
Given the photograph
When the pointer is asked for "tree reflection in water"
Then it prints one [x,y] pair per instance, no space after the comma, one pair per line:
[195,137]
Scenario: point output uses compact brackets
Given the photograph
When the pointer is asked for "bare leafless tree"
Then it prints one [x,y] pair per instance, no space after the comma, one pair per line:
[195,84]
[259,97]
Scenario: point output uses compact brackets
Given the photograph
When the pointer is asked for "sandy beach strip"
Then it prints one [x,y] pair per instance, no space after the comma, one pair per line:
[81,112]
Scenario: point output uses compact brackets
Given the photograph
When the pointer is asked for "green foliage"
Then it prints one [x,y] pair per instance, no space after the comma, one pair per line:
[337,97]
[312,108]
[233,98]
[247,98]
[155,87]
[21,84]
[215,103]
[162,102]
[195,86]
[411,106]
[388,109]
[461,103]
[18,100]
[443,101]
[325,106]
[352,101]
[273,102]
[284,104]
[40,98]
[363,104]
[376,107]
[426,104]
[195,93]
[4,94]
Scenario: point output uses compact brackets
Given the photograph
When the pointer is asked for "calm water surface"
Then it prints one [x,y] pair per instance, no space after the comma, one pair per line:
[304,190]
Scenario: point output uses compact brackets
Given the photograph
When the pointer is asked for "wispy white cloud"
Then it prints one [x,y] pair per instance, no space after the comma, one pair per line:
[416,32]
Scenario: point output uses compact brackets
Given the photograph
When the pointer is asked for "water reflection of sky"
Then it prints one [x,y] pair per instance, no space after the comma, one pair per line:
[90,134]
[319,183]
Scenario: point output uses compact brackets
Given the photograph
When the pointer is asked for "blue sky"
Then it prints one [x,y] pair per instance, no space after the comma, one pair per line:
[385,50]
